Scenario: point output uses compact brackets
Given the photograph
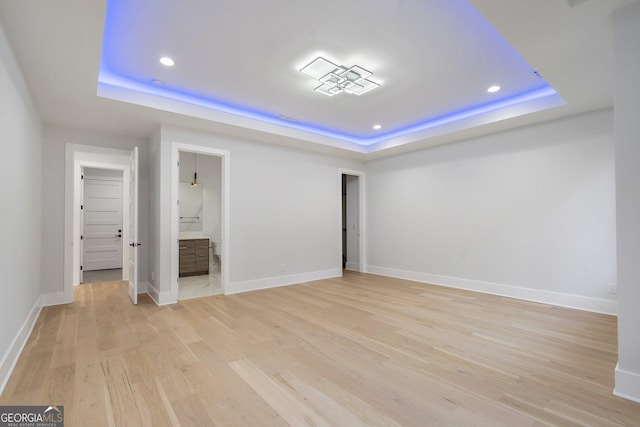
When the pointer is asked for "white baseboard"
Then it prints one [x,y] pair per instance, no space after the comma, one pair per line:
[160,298]
[627,385]
[55,298]
[13,353]
[277,281]
[579,302]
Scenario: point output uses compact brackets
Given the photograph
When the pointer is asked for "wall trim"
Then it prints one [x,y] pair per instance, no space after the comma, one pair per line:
[277,281]
[10,358]
[579,302]
[160,298]
[627,385]
[55,298]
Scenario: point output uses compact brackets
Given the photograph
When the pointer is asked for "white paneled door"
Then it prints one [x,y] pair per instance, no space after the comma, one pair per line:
[133,226]
[102,223]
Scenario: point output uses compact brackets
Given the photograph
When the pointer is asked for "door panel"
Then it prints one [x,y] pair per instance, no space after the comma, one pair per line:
[133,226]
[102,224]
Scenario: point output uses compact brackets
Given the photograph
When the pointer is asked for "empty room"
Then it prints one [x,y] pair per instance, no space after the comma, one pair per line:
[361,212]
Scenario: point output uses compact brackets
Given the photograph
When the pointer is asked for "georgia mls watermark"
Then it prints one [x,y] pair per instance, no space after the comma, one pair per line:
[31,416]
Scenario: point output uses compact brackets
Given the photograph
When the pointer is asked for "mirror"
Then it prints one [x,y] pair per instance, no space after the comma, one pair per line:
[190,207]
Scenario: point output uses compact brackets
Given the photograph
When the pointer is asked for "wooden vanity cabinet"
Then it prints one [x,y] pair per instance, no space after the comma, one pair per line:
[194,257]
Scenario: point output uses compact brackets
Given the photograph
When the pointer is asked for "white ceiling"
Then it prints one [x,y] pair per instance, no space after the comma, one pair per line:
[432,59]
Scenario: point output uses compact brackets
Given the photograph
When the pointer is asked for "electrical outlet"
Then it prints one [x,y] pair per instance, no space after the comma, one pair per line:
[612,288]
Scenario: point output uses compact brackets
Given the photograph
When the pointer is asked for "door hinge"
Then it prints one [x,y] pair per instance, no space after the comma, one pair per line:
[80,268]
[81,237]
[81,176]
[81,207]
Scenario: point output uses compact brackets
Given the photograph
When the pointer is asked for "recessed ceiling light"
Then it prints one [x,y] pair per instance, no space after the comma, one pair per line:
[493,89]
[165,60]
[376,127]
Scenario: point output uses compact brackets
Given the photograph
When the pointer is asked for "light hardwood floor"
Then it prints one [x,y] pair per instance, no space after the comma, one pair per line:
[361,350]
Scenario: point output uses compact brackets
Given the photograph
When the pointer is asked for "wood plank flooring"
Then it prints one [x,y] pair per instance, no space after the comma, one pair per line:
[356,351]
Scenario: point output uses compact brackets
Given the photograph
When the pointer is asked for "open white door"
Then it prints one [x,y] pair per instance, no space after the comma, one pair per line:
[133,226]
[81,224]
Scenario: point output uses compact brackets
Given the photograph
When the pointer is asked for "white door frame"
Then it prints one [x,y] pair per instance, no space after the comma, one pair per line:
[176,148]
[361,218]
[76,157]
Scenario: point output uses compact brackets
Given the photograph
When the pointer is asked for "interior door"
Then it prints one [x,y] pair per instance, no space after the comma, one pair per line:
[102,223]
[133,226]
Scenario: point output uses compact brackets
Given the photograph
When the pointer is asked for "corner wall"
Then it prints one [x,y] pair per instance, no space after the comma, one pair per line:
[528,213]
[626,30]
[20,210]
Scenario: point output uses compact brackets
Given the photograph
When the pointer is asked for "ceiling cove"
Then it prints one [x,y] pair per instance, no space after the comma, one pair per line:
[377,75]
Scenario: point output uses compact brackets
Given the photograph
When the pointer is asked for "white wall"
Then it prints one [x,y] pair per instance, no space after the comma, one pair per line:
[627,126]
[55,138]
[285,204]
[210,178]
[159,226]
[528,213]
[103,173]
[20,210]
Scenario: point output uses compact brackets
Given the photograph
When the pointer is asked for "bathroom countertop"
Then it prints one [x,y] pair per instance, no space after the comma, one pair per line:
[192,235]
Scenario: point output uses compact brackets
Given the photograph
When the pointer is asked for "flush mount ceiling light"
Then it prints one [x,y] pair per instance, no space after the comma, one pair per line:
[337,78]
[493,89]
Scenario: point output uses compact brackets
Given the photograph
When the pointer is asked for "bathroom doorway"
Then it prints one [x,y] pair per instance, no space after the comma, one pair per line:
[199,223]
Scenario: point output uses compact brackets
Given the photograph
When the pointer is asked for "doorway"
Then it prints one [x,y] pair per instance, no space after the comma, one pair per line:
[352,220]
[77,158]
[200,207]
[102,205]
[199,225]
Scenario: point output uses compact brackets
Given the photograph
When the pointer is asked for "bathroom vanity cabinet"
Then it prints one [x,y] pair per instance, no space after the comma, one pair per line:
[194,257]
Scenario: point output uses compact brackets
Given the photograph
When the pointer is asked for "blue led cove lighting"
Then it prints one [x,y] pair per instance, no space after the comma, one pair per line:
[114,78]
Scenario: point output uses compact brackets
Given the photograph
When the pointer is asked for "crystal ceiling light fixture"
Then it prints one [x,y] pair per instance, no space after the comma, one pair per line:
[336,79]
